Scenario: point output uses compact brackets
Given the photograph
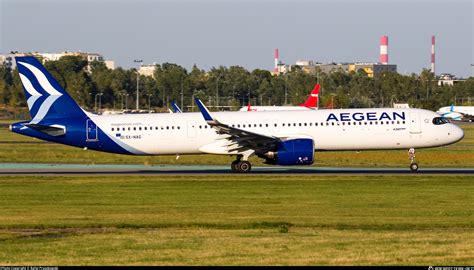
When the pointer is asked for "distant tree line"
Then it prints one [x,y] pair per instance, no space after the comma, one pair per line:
[234,86]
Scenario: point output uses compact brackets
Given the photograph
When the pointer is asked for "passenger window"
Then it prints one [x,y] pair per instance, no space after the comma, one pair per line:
[167,127]
[332,123]
[112,129]
[275,125]
[266,125]
[145,128]
[178,127]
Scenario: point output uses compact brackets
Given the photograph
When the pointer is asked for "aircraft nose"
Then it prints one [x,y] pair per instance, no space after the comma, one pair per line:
[456,133]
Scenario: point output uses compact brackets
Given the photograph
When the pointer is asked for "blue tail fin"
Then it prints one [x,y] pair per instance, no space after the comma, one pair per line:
[45,97]
[175,107]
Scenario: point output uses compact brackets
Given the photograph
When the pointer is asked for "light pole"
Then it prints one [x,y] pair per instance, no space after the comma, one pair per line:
[95,101]
[149,104]
[182,95]
[100,101]
[286,89]
[192,99]
[121,100]
[138,77]
[126,101]
[332,100]
[217,92]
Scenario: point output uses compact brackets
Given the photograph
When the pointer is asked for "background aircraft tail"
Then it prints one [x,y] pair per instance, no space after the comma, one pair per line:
[45,97]
[312,100]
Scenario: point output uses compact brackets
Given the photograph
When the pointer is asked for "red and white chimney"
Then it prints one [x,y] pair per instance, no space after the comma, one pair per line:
[433,54]
[384,50]
[276,60]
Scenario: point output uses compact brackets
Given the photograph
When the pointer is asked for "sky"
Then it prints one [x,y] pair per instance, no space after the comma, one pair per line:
[211,33]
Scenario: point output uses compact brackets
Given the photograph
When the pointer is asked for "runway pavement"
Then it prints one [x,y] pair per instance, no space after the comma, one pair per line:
[124,169]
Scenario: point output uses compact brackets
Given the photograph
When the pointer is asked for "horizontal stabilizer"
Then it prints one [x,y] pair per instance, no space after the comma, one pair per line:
[54,130]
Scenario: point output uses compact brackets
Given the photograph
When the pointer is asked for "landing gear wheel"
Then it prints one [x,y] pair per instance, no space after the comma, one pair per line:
[244,166]
[414,167]
[234,166]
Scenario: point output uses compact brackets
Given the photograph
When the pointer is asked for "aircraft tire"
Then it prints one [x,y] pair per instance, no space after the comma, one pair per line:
[414,167]
[244,166]
[234,166]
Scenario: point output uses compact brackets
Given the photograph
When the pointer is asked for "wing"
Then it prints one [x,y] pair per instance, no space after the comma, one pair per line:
[237,140]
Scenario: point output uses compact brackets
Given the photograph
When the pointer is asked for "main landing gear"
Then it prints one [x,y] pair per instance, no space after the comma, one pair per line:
[411,156]
[240,166]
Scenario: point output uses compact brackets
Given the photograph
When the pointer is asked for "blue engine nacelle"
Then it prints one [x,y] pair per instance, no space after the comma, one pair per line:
[292,152]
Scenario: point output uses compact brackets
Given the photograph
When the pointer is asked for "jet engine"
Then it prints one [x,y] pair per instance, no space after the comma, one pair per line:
[292,152]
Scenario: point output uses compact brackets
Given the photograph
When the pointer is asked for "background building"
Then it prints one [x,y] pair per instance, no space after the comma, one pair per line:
[8,59]
[147,70]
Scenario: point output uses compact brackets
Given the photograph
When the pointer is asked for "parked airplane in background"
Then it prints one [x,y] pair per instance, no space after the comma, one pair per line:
[176,108]
[278,137]
[457,112]
[311,103]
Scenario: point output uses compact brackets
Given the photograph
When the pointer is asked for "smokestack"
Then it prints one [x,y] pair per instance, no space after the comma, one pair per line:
[433,54]
[276,60]
[384,50]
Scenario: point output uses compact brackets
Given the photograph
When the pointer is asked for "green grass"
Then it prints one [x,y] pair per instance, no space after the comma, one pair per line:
[344,220]
[13,148]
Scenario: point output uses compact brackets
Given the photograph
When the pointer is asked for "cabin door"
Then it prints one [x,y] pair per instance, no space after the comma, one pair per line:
[415,124]
[191,129]
[91,131]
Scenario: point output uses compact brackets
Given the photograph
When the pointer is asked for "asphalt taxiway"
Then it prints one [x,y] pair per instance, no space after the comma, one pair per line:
[125,169]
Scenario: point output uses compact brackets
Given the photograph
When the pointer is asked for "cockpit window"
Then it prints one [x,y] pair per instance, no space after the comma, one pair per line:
[440,121]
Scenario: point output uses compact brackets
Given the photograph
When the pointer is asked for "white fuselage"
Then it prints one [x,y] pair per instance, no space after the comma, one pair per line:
[346,129]
[275,108]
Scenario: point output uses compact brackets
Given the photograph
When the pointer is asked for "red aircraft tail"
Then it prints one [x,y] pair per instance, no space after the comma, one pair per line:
[312,101]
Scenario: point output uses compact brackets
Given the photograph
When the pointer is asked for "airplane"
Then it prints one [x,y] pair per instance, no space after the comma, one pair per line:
[311,103]
[279,137]
[457,112]
[176,108]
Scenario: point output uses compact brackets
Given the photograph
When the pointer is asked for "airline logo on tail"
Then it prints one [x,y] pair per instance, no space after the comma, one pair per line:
[45,97]
[37,88]
[312,101]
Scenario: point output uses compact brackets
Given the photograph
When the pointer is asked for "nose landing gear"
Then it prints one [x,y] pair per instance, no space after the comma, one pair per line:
[411,156]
